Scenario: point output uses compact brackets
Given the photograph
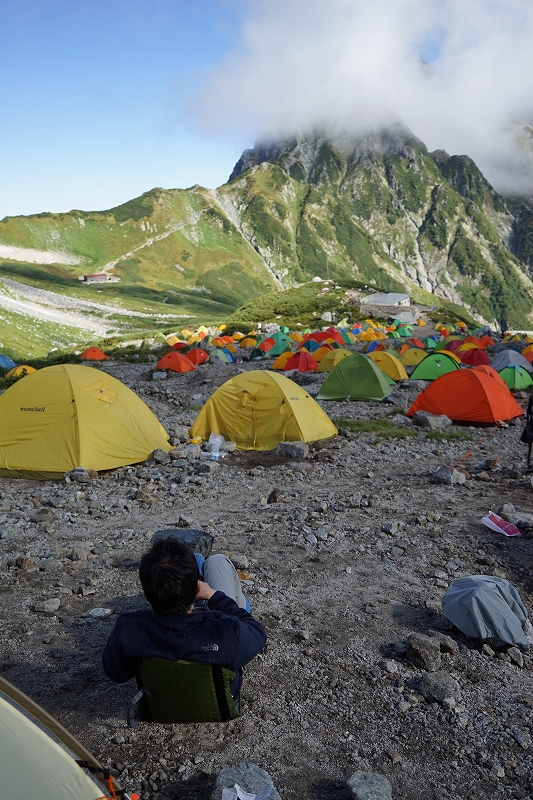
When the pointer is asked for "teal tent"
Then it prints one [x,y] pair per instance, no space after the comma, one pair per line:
[356,378]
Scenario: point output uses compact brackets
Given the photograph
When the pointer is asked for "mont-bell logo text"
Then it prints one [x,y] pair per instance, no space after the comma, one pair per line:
[33,408]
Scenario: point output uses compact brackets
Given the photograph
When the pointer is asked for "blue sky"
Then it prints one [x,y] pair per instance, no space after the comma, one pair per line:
[93,97]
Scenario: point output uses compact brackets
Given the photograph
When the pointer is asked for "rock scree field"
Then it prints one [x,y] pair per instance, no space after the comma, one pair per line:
[344,555]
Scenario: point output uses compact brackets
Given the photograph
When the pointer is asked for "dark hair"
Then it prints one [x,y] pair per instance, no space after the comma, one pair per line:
[169,575]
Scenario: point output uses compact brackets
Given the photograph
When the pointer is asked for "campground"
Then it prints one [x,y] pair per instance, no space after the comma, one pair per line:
[332,692]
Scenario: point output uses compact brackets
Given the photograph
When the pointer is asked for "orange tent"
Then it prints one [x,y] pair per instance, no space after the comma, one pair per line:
[416,342]
[197,355]
[467,396]
[302,361]
[492,372]
[176,362]
[94,354]
[266,344]
[528,356]
[487,340]
[319,354]
[400,351]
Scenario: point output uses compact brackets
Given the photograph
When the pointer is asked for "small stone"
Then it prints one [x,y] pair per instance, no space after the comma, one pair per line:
[99,613]
[240,561]
[391,527]
[207,467]
[448,476]
[424,652]
[516,656]
[311,539]
[449,703]
[522,738]
[521,520]
[388,665]
[274,496]
[321,534]
[249,777]
[48,606]
[488,651]
[403,707]
[369,786]
[439,686]
[506,509]
[79,554]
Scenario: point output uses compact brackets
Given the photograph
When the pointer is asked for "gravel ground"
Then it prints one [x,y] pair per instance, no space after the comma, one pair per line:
[333,691]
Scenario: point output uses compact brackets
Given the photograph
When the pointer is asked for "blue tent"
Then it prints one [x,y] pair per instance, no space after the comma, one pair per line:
[6,362]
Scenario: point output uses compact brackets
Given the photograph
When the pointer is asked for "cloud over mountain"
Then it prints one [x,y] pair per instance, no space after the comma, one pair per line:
[353,65]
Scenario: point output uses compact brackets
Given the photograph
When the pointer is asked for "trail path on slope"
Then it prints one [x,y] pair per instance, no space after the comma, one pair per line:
[52,307]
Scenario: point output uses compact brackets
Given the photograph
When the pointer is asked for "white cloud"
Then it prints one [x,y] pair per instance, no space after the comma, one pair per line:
[355,64]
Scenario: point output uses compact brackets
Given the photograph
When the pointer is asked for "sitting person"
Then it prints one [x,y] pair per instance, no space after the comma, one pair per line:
[221,631]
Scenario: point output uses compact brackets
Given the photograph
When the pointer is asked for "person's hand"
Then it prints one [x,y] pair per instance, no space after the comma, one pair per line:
[204,591]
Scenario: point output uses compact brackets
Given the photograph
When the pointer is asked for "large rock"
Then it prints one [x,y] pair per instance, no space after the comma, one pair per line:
[199,541]
[292,449]
[249,777]
[448,476]
[439,686]
[48,606]
[434,422]
[521,520]
[369,786]
[423,651]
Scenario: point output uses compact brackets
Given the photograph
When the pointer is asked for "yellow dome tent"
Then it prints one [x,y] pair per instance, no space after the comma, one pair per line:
[389,364]
[70,415]
[20,371]
[413,356]
[260,409]
[332,358]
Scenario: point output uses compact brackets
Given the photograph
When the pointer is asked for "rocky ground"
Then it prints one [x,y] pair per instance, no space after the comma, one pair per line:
[351,560]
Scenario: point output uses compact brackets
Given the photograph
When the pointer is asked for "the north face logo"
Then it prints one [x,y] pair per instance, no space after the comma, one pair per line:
[210,647]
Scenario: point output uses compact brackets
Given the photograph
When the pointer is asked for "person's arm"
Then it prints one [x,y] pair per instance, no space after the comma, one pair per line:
[251,636]
[117,666]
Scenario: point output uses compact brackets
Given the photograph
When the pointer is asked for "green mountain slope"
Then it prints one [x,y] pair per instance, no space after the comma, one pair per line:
[379,209]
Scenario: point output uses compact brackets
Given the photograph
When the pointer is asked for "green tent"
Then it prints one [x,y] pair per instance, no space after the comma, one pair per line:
[257,355]
[356,378]
[433,366]
[440,345]
[430,343]
[517,378]
[284,329]
[278,348]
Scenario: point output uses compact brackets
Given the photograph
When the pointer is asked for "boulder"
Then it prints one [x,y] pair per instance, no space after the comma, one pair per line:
[423,651]
[160,457]
[292,449]
[439,686]
[433,422]
[369,786]
[249,777]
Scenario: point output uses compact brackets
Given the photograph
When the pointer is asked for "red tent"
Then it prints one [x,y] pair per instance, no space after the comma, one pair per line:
[416,342]
[474,358]
[467,395]
[529,356]
[302,361]
[176,362]
[197,355]
[94,354]
[179,345]
[475,340]
[453,345]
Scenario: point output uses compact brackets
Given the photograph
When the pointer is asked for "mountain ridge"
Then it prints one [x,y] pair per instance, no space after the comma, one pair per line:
[377,208]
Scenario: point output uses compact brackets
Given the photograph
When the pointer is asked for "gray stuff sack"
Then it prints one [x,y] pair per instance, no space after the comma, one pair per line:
[484,607]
